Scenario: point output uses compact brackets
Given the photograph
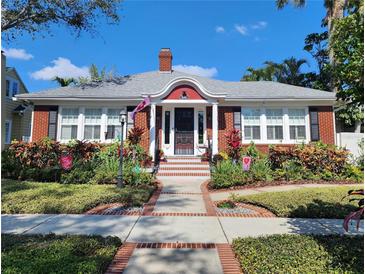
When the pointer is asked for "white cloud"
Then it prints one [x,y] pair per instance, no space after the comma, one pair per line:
[219,29]
[17,54]
[62,67]
[259,25]
[197,70]
[241,29]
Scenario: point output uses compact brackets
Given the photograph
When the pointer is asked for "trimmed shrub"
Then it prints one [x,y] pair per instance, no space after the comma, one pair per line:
[227,174]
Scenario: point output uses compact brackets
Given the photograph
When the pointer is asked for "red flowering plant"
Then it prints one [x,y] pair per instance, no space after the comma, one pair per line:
[135,135]
[233,139]
[356,215]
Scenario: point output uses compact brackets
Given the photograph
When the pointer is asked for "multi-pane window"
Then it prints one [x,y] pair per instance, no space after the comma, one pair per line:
[52,123]
[7,88]
[15,88]
[314,124]
[114,126]
[201,127]
[237,119]
[69,121]
[251,122]
[297,124]
[274,124]
[92,123]
[167,127]
[130,122]
[7,132]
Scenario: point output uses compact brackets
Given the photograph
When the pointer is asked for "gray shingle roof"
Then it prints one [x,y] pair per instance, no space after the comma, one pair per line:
[134,86]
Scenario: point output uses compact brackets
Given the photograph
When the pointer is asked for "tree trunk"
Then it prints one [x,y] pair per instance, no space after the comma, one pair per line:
[334,12]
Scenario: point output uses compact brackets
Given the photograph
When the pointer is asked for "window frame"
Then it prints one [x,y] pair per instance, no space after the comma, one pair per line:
[107,124]
[62,123]
[100,124]
[296,125]
[259,123]
[282,124]
[7,140]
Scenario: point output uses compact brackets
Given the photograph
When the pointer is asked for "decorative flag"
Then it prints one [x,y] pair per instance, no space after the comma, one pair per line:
[146,102]
[246,163]
[66,161]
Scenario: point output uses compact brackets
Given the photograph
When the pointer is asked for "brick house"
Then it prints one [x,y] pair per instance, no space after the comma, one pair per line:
[185,112]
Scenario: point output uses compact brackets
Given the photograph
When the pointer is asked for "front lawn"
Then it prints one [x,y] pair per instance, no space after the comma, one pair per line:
[324,202]
[300,254]
[57,254]
[33,197]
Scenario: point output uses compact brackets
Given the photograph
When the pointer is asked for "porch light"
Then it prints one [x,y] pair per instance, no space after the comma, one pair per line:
[183,96]
[122,120]
[123,116]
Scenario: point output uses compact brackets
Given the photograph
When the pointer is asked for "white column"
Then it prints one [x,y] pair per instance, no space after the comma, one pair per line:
[215,128]
[152,129]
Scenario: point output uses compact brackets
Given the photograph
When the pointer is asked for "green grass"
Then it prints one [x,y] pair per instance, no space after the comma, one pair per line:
[56,254]
[300,254]
[324,202]
[33,197]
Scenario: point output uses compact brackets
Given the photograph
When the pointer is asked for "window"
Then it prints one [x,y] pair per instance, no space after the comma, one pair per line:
[15,88]
[237,119]
[251,122]
[114,126]
[130,122]
[52,125]
[92,123]
[274,120]
[69,121]
[167,127]
[201,127]
[297,124]
[314,124]
[7,132]
[7,88]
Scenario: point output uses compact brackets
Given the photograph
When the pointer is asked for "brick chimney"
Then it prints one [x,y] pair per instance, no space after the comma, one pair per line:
[165,58]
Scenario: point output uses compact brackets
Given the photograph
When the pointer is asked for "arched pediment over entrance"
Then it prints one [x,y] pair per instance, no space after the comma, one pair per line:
[184,92]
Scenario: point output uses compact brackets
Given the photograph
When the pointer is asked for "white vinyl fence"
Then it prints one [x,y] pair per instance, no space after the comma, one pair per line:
[350,141]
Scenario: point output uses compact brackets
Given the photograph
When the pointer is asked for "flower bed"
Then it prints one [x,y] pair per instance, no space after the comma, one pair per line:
[310,163]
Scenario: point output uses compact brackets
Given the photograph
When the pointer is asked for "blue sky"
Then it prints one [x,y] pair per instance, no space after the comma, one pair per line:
[220,39]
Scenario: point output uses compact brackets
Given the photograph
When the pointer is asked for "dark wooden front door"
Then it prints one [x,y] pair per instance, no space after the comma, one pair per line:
[184,131]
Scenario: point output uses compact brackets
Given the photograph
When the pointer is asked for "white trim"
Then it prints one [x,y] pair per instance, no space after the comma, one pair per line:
[8,137]
[285,124]
[152,129]
[182,80]
[215,128]
[32,125]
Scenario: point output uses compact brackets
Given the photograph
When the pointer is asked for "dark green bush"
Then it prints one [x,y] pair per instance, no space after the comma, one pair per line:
[81,173]
[260,171]
[228,174]
[300,254]
[57,254]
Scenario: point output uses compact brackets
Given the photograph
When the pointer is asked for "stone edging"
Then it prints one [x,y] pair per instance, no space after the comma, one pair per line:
[209,207]
[150,205]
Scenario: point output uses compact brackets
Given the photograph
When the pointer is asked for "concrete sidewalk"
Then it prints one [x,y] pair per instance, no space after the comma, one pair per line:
[170,228]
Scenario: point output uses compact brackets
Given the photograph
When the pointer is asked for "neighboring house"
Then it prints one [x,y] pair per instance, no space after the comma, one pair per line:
[186,111]
[15,115]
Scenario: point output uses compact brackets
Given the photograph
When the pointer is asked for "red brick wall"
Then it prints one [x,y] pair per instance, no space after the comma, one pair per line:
[190,92]
[165,58]
[143,120]
[225,124]
[326,124]
[40,122]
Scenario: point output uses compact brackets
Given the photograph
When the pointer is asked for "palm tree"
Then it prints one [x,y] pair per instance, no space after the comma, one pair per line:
[288,72]
[64,82]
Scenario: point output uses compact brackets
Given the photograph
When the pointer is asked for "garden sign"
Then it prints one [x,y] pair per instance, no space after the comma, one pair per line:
[66,161]
[246,163]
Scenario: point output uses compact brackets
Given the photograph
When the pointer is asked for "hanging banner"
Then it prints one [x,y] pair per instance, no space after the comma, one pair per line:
[145,103]
[246,163]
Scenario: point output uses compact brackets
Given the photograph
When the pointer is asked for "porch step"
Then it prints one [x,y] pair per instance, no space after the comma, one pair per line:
[166,167]
[201,173]
[183,159]
[183,163]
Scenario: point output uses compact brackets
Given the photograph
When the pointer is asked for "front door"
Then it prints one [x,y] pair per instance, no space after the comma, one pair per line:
[184,131]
